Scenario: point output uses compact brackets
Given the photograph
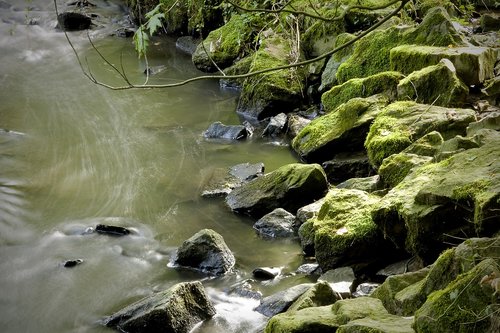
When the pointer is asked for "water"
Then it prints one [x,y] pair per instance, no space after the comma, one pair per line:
[74,154]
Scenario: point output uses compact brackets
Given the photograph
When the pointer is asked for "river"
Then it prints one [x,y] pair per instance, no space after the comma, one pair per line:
[74,154]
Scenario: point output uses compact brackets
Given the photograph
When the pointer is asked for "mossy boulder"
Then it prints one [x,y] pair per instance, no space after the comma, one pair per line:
[343,233]
[320,294]
[437,85]
[326,319]
[473,64]
[271,93]
[382,83]
[396,167]
[339,131]
[428,145]
[381,324]
[371,53]
[289,187]
[367,184]
[458,196]
[223,45]
[402,123]
[465,305]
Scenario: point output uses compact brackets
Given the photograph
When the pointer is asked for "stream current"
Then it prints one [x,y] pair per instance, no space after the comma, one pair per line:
[74,154]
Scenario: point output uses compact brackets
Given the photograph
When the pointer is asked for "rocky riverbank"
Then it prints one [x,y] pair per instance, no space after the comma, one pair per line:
[398,135]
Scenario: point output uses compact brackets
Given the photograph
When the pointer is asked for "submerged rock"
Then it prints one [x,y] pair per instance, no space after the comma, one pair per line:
[289,187]
[111,230]
[206,251]
[175,310]
[71,21]
[218,130]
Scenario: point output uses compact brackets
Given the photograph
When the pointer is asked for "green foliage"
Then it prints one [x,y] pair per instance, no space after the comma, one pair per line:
[141,35]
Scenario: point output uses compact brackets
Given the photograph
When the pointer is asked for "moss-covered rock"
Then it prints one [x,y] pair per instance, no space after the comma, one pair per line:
[343,130]
[223,45]
[271,93]
[380,324]
[318,295]
[367,184]
[456,145]
[458,196]
[290,187]
[474,65]
[402,123]
[437,85]
[396,167]
[428,145]
[465,305]
[371,54]
[343,233]
[382,83]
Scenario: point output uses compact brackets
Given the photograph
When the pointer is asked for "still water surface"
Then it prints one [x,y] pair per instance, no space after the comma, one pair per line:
[74,154]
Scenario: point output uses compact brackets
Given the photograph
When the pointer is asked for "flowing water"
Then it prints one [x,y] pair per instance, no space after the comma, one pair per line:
[74,154]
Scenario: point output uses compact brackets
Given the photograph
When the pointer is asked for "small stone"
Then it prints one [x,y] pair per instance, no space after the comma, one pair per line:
[72,263]
[111,230]
[365,289]
[266,273]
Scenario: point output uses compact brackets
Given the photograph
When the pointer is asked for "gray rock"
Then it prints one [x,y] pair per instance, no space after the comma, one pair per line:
[277,224]
[175,310]
[340,279]
[489,23]
[491,121]
[347,166]
[367,184]
[308,269]
[206,251]
[281,301]
[247,171]
[307,212]
[218,130]
[295,124]
[365,289]
[276,126]
[266,273]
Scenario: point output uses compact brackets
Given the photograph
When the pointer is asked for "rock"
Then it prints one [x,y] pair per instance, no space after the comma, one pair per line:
[468,202]
[402,123]
[489,22]
[266,273]
[239,67]
[218,130]
[268,94]
[223,45]
[206,251]
[187,44]
[276,126]
[367,184]
[289,187]
[346,166]
[281,301]
[325,319]
[72,263]
[396,167]
[308,269]
[111,230]
[365,289]
[295,124]
[382,324]
[343,233]
[71,21]
[371,55]
[491,121]
[384,83]
[328,77]
[404,266]
[394,292]
[174,310]
[436,85]
[276,224]
[456,145]
[320,294]
[428,145]
[341,280]
[341,131]
[222,181]
[492,87]
[463,304]
[154,70]
[474,65]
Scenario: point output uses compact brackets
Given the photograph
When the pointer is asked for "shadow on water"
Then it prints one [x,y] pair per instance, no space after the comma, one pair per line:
[73,155]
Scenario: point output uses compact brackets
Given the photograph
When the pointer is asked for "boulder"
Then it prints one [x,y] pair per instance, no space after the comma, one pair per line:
[473,65]
[308,269]
[218,130]
[428,206]
[436,85]
[320,294]
[346,166]
[223,45]
[371,53]
[343,130]
[329,77]
[428,145]
[380,324]
[365,289]
[343,233]
[221,181]
[276,126]
[295,124]
[281,301]
[241,66]
[72,21]
[367,184]
[268,94]
[396,167]
[489,22]
[266,273]
[341,280]
[175,310]
[465,304]
[289,187]
[402,123]
[491,121]
[206,251]
[456,145]
[276,224]
[381,83]
[307,212]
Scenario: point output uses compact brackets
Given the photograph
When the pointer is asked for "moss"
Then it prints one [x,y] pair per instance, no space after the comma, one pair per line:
[384,83]
[318,295]
[396,167]
[315,319]
[428,145]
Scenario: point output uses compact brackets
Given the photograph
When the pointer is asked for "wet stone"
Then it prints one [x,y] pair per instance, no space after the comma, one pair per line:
[111,230]
[72,263]
[266,273]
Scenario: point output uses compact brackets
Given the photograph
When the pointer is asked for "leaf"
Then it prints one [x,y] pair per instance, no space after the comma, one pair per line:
[154,23]
[141,40]
[153,11]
